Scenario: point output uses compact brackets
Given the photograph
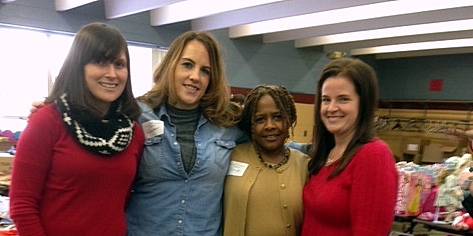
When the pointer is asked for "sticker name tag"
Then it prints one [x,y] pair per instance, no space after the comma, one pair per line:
[153,128]
[237,168]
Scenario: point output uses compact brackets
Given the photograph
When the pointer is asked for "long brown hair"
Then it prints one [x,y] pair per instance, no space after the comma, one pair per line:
[95,41]
[216,100]
[365,82]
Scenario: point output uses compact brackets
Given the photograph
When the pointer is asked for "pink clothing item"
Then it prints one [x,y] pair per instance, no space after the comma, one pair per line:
[8,134]
[59,188]
[359,201]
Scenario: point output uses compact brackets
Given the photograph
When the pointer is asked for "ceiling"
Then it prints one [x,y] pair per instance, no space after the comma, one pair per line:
[356,27]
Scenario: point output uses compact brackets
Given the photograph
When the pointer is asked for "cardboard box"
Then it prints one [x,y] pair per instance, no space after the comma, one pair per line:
[6,161]
[413,149]
[436,153]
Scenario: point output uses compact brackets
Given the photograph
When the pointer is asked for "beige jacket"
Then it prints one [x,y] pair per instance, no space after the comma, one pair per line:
[260,201]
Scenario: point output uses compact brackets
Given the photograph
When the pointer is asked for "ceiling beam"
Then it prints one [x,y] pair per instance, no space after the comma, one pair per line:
[272,11]
[354,26]
[365,12]
[121,8]
[399,40]
[64,5]
[422,53]
[426,32]
[417,46]
[331,33]
[186,10]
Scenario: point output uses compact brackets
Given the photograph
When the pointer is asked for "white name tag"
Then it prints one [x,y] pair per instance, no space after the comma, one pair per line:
[237,168]
[153,128]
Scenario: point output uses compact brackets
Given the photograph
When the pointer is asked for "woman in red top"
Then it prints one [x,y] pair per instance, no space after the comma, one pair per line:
[76,159]
[353,179]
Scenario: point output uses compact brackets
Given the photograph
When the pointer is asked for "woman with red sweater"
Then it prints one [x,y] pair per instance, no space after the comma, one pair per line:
[353,180]
[76,159]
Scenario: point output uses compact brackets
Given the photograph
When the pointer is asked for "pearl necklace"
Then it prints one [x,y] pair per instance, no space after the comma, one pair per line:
[274,166]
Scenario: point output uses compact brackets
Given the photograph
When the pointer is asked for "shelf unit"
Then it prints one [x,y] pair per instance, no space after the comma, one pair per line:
[414,128]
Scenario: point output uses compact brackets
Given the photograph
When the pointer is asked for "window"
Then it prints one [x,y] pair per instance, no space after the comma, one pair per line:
[23,70]
[31,59]
[141,69]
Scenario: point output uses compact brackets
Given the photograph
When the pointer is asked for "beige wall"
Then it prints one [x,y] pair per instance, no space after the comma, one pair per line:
[305,123]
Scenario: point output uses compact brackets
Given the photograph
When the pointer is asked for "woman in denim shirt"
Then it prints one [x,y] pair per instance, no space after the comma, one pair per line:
[189,124]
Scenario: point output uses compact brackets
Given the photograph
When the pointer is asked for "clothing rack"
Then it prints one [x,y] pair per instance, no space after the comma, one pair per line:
[420,124]
[424,115]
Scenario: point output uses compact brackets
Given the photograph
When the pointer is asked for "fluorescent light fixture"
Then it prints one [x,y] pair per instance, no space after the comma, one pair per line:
[449,26]
[454,43]
[363,12]
[192,9]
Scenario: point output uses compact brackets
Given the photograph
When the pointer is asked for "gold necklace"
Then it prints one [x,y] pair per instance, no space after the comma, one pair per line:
[331,157]
[274,166]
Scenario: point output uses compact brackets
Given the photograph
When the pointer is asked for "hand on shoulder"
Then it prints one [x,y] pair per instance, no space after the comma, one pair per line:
[466,134]
[35,106]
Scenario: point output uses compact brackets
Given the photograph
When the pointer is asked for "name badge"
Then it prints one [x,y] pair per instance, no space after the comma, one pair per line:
[237,168]
[153,128]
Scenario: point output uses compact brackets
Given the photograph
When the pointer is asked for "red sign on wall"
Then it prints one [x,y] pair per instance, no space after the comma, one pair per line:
[435,85]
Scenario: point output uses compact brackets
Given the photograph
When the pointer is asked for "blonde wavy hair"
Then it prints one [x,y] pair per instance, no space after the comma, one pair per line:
[215,103]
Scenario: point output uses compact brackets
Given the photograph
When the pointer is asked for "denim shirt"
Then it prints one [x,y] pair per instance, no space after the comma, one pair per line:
[168,201]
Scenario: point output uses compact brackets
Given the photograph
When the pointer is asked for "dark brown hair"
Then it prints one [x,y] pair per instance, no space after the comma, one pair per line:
[365,82]
[95,41]
[238,98]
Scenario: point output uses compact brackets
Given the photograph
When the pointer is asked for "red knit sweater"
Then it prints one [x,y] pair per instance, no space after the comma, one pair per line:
[359,201]
[59,188]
